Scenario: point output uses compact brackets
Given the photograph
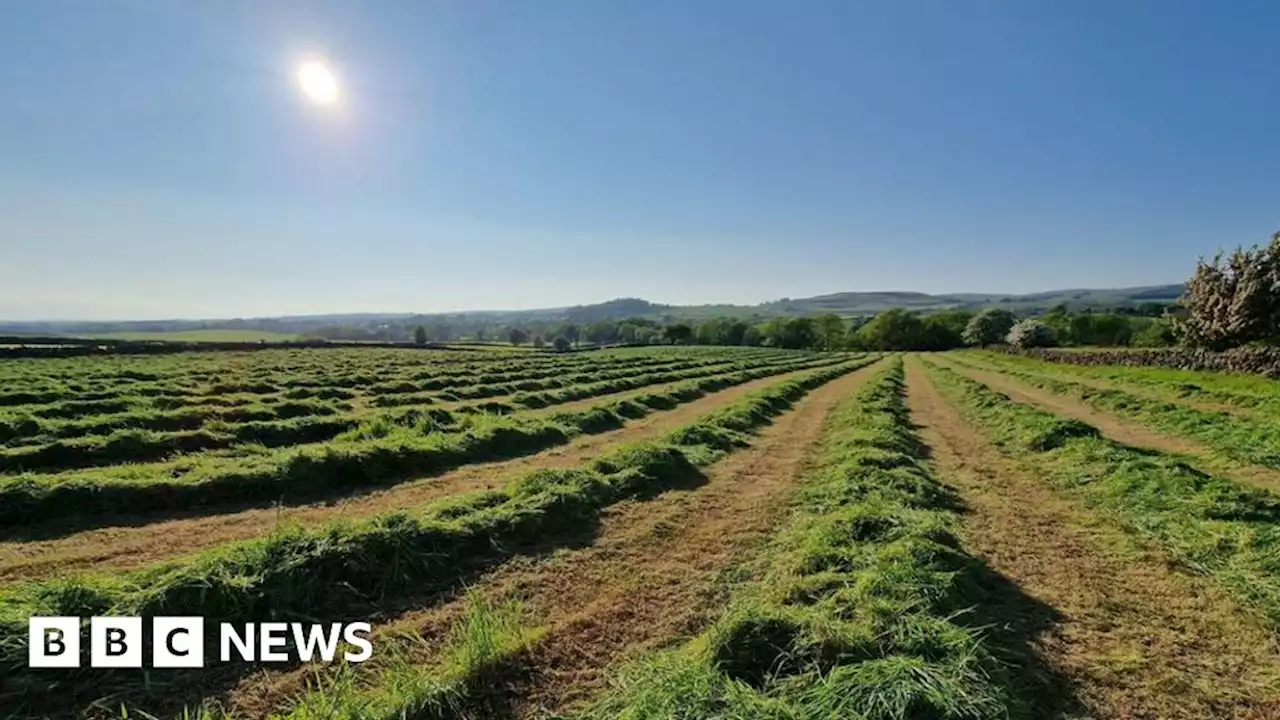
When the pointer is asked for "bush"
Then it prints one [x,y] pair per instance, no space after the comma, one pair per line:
[561,344]
[988,327]
[1234,301]
[1155,334]
[1030,334]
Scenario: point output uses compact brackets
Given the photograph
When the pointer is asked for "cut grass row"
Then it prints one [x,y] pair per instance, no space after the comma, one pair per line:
[351,568]
[458,385]
[141,445]
[32,430]
[380,456]
[865,609]
[1249,392]
[223,373]
[97,416]
[1210,525]
[1242,439]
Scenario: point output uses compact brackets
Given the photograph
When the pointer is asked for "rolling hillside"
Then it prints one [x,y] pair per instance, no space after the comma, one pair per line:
[846,304]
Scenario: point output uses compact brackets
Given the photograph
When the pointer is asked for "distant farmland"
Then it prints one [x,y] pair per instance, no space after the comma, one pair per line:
[200,336]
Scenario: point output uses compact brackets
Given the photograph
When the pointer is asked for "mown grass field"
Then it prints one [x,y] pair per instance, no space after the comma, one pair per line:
[652,532]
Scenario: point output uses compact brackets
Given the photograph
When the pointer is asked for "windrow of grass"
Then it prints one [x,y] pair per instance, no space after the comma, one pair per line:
[202,375]
[31,430]
[1208,524]
[864,608]
[142,445]
[1250,392]
[546,378]
[564,389]
[171,409]
[376,456]
[48,406]
[355,568]
[1243,439]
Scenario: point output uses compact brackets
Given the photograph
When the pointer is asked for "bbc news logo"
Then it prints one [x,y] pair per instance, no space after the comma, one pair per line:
[179,642]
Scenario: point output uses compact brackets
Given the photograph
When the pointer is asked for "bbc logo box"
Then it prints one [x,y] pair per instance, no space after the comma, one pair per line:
[179,642]
[115,642]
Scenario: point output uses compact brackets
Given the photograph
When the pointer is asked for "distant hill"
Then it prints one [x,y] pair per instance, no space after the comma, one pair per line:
[848,304]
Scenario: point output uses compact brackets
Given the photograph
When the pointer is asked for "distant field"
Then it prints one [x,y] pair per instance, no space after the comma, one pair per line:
[201,335]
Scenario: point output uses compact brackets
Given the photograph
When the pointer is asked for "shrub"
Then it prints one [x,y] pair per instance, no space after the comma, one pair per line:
[988,327]
[1155,334]
[1235,300]
[1030,334]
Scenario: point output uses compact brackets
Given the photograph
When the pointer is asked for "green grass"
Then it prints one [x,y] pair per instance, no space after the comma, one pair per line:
[355,568]
[382,451]
[1250,440]
[1245,391]
[1207,524]
[862,610]
[486,639]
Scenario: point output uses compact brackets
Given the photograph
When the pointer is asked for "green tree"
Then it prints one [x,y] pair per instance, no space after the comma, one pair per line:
[713,332]
[420,335]
[988,327]
[571,332]
[627,332]
[1111,329]
[602,332]
[678,333]
[736,333]
[562,344]
[538,342]
[1157,333]
[894,329]
[793,333]
[830,331]
[517,336]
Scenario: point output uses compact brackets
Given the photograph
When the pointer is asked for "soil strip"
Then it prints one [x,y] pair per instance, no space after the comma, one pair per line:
[1133,637]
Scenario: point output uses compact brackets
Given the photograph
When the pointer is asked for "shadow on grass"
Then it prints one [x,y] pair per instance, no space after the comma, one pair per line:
[1014,623]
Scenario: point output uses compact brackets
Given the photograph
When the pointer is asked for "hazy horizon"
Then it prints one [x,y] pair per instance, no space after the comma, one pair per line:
[502,310]
[160,161]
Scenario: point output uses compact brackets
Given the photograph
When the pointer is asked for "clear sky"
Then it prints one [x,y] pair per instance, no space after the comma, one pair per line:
[158,160]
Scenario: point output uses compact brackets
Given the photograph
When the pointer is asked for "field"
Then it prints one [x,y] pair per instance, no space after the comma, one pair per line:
[210,335]
[652,532]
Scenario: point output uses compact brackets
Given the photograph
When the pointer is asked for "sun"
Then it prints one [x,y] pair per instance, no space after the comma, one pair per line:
[318,82]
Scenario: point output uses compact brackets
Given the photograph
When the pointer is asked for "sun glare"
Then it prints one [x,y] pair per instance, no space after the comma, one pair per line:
[318,82]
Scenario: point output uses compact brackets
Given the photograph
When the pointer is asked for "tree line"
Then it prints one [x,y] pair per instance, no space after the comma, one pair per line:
[1232,300]
[891,330]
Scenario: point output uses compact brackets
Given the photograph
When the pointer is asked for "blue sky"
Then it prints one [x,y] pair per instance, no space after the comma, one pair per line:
[157,159]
